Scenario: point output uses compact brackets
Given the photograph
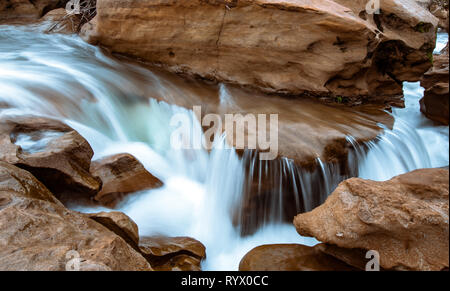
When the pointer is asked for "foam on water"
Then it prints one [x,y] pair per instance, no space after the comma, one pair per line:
[415,142]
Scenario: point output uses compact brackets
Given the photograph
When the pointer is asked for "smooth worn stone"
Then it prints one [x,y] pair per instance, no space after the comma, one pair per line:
[121,174]
[290,257]
[53,152]
[173,253]
[37,233]
[404,219]
[26,10]
[120,224]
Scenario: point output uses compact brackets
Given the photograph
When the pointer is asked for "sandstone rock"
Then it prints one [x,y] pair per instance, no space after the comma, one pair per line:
[405,219]
[25,10]
[121,174]
[52,151]
[438,8]
[58,21]
[120,224]
[353,257]
[339,51]
[23,184]
[435,103]
[173,253]
[290,257]
[38,233]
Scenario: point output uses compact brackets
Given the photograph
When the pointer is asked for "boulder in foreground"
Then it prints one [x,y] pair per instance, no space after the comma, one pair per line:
[290,257]
[38,233]
[53,152]
[173,253]
[405,219]
[120,224]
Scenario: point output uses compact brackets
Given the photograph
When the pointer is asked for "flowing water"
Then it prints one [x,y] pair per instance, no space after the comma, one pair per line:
[107,102]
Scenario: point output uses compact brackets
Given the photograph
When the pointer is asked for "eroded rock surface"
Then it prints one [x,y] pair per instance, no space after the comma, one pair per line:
[290,257]
[121,174]
[435,103]
[405,219]
[53,152]
[320,47]
[39,233]
[120,224]
[438,8]
[173,253]
[26,10]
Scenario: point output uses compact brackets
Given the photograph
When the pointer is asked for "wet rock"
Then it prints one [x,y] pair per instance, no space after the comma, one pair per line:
[121,174]
[173,253]
[120,224]
[25,10]
[405,219]
[58,21]
[290,257]
[340,51]
[435,103]
[23,184]
[438,8]
[38,233]
[53,152]
[352,257]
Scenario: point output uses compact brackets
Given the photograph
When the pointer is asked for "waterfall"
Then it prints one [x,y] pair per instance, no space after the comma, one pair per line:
[415,142]
[205,192]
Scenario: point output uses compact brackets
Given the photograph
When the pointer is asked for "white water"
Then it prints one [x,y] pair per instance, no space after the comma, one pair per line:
[106,101]
[415,142]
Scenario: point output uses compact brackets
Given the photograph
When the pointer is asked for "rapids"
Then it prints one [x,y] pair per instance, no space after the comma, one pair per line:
[106,100]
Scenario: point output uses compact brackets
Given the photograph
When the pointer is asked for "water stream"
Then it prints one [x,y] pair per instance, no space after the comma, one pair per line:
[107,102]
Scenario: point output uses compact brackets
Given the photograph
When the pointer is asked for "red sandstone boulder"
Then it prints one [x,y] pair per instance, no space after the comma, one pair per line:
[25,10]
[121,174]
[38,233]
[290,257]
[352,257]
[173,253]
[405,219]
[53,152]
[438,8]
[342,50]
[120,224]
[435,103]
[162,253]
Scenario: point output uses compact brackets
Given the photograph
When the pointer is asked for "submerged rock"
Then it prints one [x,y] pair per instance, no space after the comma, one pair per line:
[290,257]
[173,253]
[341,50]
[53,152]
[405,219]
[435,103]
[121,174]
[38,233]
